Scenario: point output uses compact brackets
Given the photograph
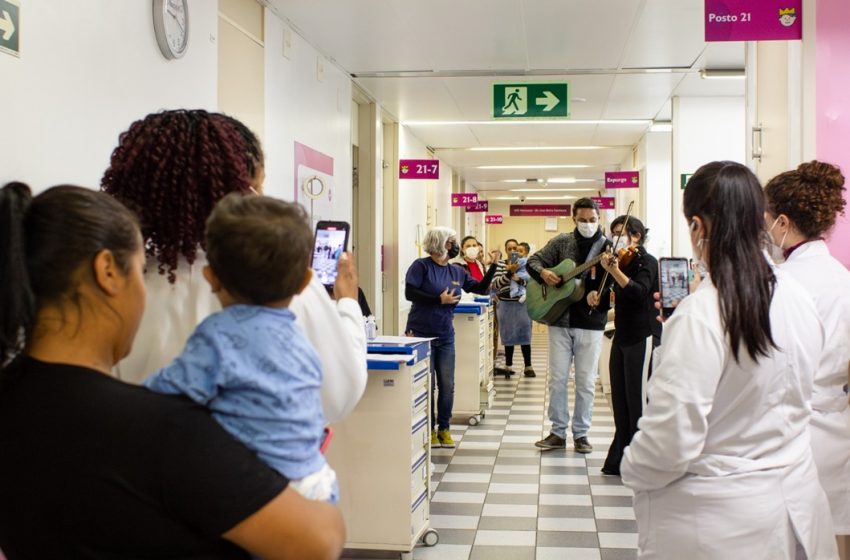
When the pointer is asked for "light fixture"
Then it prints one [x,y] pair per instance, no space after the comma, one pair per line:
[549,190]
[661,126]
[532,198]
[636,122]
[535,148]
[555,181]
[733,74]
[567,166]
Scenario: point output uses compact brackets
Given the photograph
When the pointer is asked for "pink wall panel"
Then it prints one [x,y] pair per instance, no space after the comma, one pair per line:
[833,103]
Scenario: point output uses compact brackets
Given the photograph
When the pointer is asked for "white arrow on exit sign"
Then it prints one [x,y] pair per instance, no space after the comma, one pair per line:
[549,99]
[7,25]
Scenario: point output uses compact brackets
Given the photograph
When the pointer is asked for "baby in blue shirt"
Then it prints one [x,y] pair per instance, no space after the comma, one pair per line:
[249,363]
[518,288]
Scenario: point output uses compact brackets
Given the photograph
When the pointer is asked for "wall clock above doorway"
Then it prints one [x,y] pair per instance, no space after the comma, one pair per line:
[171,27]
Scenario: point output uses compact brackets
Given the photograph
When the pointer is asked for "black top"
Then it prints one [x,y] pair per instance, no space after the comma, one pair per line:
[634,307]
[95,468]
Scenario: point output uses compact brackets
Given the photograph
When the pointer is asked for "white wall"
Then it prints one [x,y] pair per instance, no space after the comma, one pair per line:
[82,79]
[302,108]
[705,129]
[657,192]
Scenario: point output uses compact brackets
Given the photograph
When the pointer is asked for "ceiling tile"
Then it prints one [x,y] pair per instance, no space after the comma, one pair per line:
[560,35]
[669,33]
[640,96]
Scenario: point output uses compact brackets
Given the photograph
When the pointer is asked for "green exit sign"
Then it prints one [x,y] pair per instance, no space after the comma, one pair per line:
[684,178]
[531,100]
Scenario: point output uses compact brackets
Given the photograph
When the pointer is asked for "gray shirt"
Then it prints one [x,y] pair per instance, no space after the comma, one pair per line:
[560,247]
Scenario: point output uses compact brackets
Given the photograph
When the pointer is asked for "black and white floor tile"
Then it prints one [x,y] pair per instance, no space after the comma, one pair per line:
[497,497]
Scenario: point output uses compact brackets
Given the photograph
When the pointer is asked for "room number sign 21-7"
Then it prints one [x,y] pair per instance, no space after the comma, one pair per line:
[418,169]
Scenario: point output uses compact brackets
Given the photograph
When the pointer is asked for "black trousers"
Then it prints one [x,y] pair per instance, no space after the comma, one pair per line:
[526,355]
[626,369]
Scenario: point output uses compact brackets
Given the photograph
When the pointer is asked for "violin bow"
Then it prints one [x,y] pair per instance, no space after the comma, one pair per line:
[616,241]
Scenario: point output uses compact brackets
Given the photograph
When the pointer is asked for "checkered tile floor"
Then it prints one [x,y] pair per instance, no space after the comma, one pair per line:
[497,497]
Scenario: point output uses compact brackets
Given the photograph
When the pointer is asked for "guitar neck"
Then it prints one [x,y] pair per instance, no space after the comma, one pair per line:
[582,268]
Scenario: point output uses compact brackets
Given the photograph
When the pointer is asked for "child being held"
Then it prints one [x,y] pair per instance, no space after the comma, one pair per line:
[249,363]
[521,276]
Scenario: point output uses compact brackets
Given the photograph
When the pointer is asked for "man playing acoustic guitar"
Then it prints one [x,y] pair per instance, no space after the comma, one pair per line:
[576,333]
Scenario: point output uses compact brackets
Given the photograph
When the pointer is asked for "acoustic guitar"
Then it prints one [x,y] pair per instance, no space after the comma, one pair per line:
[547,303]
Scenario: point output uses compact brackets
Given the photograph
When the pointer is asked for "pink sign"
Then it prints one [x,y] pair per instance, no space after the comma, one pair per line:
[464,199]
[604,202]
[418,169]
[622,179]
[480,206]
[540,209]
[493,219]
[753,20]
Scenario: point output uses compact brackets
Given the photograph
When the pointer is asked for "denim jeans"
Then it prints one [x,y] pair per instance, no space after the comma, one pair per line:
[566,345]
[442,380]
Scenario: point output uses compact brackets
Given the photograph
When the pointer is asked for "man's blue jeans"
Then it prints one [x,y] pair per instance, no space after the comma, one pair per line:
[566,345]
[442,380]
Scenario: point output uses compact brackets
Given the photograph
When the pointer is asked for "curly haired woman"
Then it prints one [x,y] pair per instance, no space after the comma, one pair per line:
[802,207]
[171,168]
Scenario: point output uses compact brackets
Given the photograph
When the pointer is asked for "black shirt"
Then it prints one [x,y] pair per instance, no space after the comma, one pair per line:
[634,307]
[91,467]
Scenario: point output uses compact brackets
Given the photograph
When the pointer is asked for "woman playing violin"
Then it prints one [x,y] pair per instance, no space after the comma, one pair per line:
[635,276]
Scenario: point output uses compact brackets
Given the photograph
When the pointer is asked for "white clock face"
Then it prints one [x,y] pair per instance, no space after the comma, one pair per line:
[171,24]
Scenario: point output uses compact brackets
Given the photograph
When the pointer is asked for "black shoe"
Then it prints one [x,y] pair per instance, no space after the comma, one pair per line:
[552,442]
[529,372]
[610,472]
[507,372]
[581,445]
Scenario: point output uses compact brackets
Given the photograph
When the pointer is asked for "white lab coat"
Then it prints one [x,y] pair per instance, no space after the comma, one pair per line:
[828,282]
[722,466]
[335,329]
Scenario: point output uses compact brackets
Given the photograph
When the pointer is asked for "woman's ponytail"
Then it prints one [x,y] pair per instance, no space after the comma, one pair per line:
[16,297]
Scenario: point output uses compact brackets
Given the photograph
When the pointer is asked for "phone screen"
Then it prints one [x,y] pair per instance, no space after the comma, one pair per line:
[674,283]
[514,257]
[331,242]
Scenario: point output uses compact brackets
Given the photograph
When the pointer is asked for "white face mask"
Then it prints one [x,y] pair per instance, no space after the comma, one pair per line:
[777,252]
[622,243]
[587,230]
[471,253]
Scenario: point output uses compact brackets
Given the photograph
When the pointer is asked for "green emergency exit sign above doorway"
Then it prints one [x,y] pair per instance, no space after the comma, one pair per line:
[531,100]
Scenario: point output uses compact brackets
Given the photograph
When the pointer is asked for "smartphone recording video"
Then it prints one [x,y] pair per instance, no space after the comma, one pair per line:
[674,283]
[331,242]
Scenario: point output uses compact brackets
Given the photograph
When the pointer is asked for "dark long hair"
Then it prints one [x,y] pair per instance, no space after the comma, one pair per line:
[727,197]
[44,241]
[171,168]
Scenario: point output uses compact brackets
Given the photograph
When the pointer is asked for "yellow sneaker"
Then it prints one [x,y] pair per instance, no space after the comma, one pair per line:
[445,438]
[435,441]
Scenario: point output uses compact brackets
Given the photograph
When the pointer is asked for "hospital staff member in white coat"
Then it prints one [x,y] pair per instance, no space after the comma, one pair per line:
[722,466]
[802,206]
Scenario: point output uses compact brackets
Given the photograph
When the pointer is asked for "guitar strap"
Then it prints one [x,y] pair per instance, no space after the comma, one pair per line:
[595,249]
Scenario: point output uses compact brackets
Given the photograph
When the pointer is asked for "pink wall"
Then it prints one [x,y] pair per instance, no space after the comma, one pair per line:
[833,103]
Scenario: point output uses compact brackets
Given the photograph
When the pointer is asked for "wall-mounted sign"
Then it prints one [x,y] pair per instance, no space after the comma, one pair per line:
[531,100]
[622,179]
[480,206]
[540,209]
[10,23]
[464,199]
[493,219]
[753,20]
[684,178]
[418,169]
[604,202]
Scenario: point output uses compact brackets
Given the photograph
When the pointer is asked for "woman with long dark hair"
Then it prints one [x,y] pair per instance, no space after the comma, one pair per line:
[171,168]
[634,282]
[802,207]
[95,468]
[722,465]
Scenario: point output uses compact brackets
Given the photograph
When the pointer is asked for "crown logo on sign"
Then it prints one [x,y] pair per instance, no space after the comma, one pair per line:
[787,12]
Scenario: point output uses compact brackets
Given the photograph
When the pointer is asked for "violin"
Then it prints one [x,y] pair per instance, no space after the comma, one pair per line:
[625,256]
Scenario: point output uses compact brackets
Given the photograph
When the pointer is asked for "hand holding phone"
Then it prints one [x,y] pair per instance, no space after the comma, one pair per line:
[330,243]
[674,283]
